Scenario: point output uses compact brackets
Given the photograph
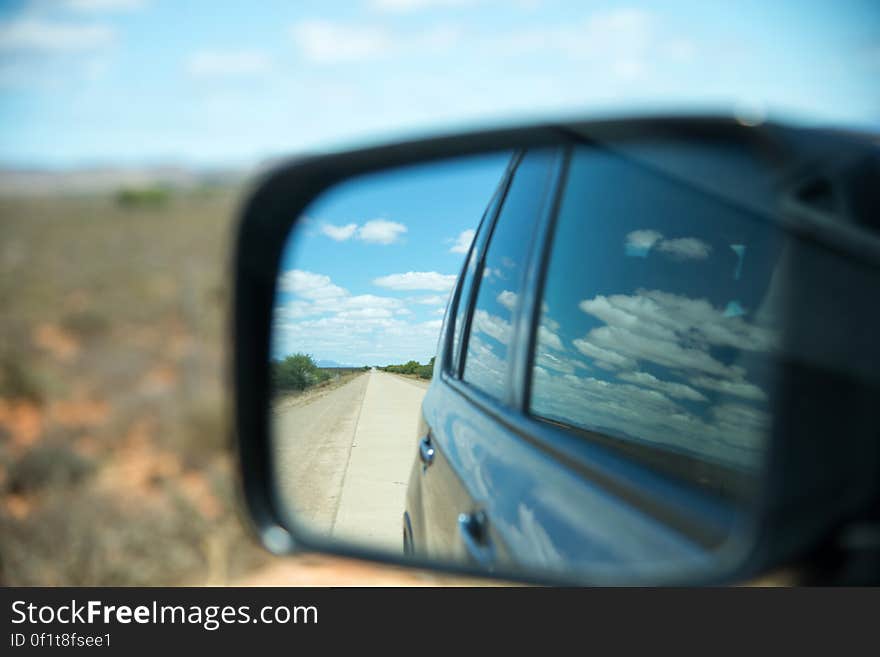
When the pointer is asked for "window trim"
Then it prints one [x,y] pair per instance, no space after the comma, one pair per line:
[519,321]
[453,364]
[530,309]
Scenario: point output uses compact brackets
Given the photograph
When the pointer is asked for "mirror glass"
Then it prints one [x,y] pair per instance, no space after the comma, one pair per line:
[362,292]
[608,349]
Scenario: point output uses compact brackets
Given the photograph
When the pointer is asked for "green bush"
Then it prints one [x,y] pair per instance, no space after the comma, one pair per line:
[412,367]
[296,372]
[142,197]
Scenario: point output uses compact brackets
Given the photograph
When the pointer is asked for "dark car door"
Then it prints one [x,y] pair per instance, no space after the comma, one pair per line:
[480,352]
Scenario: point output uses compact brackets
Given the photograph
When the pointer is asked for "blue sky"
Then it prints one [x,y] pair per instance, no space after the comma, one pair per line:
[366,276]
[86,82]
[219,84]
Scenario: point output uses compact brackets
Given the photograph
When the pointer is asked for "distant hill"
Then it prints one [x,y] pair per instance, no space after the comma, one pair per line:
[331,363]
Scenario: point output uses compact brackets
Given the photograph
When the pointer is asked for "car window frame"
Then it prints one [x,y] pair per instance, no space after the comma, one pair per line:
[513,399]
[713,523]
[452,361]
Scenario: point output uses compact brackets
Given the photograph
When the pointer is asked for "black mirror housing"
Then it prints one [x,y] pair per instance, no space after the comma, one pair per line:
[819,487]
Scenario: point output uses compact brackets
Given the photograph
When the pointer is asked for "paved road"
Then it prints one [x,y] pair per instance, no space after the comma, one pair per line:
[343,457]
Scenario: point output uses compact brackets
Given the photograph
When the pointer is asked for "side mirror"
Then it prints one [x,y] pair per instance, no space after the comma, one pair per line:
[626,352]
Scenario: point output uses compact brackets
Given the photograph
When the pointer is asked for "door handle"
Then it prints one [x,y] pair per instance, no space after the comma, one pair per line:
[426,452]
[474,531]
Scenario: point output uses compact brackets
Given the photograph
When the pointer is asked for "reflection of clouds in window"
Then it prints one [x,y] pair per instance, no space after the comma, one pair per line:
[507,299]
[491,274]
[549,339]
[742,389]
[668,331]
[605,358]
[675,332]
[662,315]
[639,244]
[677,390]
[486,365]
[492,325]
[553,362]
[485,368]
[728,433]
[631,346]
[685,248]
[528,536]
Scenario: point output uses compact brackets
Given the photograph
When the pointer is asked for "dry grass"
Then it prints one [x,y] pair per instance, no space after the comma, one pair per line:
[114,466]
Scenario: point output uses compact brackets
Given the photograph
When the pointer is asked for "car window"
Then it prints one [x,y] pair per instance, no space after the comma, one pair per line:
[467,281]
[657,322]
[499,278]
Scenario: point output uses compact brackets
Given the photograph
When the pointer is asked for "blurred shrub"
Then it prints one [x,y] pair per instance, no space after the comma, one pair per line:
[48,465]
[83,537]
[85,323]
[143,197]
[200,434]
[18,380]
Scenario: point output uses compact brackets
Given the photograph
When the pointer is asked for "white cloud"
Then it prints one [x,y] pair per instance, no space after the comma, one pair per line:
[640,242]
[685,248]
[417,280]
[309,285]
[548,361]
[742,389]
[324,299]
[38,35]
[493,326]
[104,5]
[231,63]
[376,231]
[327,42]
[483,367]
[339,233]
[403,6]
[365,313]
[548,339]
[329,322]
[381,231]
[677,390]
[726,433]
[664,316]
[603,356]
[431,300]
[673,332]
[372,301]
[463,241]
[619,39]
[507,299]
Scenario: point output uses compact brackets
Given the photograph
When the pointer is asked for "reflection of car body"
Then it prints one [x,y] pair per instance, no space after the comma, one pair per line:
[604,371]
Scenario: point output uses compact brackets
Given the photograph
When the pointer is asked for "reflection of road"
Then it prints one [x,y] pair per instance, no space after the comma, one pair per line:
[343,458]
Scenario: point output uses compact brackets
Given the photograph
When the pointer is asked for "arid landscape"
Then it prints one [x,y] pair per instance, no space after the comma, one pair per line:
[115,457]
